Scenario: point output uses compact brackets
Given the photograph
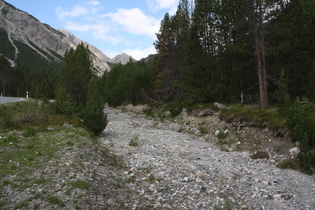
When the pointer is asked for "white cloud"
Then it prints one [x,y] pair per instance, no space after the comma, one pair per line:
[140,53]
[99,31]
[135,21]
[93,3]
[77,11]
[155,5]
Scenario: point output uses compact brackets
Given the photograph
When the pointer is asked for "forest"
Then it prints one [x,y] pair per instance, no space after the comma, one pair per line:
[214,50]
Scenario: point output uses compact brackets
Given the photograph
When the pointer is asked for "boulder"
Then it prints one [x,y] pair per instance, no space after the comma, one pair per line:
[220,106]
[294,151]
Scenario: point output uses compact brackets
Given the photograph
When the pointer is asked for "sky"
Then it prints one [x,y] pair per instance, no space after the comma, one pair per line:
[112,26]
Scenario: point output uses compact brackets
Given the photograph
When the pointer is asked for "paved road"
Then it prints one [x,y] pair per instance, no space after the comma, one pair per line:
[4,100]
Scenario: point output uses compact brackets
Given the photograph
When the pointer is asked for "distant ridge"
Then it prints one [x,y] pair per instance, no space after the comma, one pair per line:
[25,40]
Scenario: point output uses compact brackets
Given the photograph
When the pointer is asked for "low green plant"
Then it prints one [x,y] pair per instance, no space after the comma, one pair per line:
[29,131]
[151,178]
[131,179]
[222,135]
[134,142]
[203,130]
[21,205]
[81,184]
[53,200]
[2,203]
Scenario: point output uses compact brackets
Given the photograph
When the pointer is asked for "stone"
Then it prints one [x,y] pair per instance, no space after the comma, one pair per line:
[200,174]
[158,205]
[294,151]
[220,106]
[277,196]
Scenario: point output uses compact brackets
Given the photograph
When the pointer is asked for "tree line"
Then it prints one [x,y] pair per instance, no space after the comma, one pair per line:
[216,50]
[209,50]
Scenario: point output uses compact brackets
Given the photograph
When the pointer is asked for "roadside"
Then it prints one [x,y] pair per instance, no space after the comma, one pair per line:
[4,100]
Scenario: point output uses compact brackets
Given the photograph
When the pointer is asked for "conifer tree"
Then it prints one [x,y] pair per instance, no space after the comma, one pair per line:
[4,73]
[76,73]
[92,114]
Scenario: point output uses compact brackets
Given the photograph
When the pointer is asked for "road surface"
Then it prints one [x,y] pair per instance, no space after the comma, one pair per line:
[4,100]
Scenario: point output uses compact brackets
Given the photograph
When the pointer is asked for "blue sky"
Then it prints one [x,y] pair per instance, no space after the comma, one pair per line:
[113,26]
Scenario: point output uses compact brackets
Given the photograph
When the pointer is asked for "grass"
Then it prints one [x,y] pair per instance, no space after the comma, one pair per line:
[80,184]
[134,142]
[55,201]
[28,148]
[270,117]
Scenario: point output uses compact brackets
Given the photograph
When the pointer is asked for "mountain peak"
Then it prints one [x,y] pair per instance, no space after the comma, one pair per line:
[27,41]
[122,58]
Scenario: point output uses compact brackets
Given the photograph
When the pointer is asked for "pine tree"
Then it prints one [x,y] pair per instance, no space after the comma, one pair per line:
[311,84]
[92,114]
[291,46]
[76,73]
[5,68]
[281,94]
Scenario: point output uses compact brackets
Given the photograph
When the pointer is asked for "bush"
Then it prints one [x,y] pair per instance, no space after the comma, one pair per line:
[93,116]
[299,122]
[65,104]
[281,94]
[25,112]
[6,116]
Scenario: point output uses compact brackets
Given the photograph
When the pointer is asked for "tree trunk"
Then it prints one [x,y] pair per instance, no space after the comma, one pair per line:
[256,13]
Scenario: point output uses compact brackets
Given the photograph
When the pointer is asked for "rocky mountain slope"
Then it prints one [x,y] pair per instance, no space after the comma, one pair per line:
[122,58]
[24,39]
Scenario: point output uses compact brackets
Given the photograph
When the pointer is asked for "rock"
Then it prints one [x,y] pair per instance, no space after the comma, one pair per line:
[67,125]
[277,196]
[168,206]
[286,196]
[217,132]
[220,106]
[200,174]
[167,113]
[205,113]
[260,155]
[158,205]
[294,151]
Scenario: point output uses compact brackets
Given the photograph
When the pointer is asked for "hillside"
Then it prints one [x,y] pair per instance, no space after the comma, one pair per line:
[25,40]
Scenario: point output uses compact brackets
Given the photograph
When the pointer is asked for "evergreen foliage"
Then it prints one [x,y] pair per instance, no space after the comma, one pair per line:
[92,114]
[80,92]
[311,84]
[76,73]
[130,83]
[65,104]
[5,68]
[281,94]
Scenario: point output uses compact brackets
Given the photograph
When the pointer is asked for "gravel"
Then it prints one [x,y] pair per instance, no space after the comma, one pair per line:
[143,163]
[167,169]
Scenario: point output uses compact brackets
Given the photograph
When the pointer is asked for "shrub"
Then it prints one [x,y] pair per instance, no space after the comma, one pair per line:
[65,104]
[93,116]
[281,94]
[299,122]
[134,142]
[6,116]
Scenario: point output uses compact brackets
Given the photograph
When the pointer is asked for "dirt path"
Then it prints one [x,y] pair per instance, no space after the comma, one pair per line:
[172,170]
